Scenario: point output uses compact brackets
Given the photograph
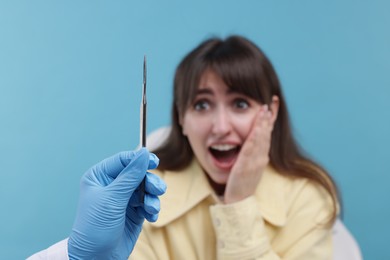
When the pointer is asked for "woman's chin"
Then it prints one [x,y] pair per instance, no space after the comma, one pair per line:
[219,177]
[217,182]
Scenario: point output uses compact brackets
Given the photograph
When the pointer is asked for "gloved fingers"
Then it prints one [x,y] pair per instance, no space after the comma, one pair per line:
[148,216]
[136,161]
[131,159]
[154,185]
[153,161]
[114,165]
[136,215]
[104,172]
[127,157]
[151,204]
[131,176]
[151,217]
[135,200]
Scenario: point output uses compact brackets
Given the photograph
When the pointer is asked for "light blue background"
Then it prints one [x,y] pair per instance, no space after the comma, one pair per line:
[70,78]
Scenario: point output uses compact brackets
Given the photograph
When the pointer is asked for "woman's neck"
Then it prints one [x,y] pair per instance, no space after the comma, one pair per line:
[218,188]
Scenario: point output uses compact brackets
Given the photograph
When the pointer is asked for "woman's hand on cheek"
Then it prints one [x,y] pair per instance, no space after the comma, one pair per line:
[252,159]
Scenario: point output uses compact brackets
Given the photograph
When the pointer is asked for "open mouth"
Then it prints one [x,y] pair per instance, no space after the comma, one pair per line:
[225,154]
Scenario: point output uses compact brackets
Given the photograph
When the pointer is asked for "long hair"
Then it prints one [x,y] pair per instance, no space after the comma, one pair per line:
[245,69]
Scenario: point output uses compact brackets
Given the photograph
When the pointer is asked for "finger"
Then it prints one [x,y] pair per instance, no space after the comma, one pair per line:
[154,185]
[143,214]
[263,124]
[128,156]
[151,217]
[251,141]
[138,214]
[153,161]
[134,215]
[261,137]
[135,199]
[113,165]
[132,175]
[151,204]
[259,134]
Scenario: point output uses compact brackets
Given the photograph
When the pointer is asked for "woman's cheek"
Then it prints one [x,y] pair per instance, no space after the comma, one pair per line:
[196,124]
[244,123]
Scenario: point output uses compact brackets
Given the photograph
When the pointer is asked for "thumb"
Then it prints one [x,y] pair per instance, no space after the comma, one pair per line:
[131,176]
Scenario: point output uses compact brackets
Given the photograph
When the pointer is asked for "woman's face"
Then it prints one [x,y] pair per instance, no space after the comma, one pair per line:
[217,124]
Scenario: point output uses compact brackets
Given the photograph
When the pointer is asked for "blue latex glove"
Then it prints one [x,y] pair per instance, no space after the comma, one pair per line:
[110,216]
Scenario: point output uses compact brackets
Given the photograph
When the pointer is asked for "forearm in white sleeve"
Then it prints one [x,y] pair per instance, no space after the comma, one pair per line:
[58,251]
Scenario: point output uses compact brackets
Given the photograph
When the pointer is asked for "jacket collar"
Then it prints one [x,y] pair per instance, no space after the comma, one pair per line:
[189,187]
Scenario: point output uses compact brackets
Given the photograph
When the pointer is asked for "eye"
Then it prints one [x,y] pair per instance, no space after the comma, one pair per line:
[241,103]
[201,105]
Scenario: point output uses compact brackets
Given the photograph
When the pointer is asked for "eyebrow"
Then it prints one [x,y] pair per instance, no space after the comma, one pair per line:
[210,92]
[204,91]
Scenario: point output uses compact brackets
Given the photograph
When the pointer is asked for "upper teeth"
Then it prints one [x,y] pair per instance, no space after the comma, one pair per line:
[223,147]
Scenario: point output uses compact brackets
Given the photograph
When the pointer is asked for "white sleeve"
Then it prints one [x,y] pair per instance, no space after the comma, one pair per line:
[58,251]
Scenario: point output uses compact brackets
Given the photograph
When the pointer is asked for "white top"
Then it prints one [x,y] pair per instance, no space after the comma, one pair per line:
[58,251]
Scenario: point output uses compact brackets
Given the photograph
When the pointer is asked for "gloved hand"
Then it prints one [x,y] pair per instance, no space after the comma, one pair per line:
[110,216]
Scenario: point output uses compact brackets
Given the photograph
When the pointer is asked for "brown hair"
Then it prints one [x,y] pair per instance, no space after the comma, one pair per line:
[247,70]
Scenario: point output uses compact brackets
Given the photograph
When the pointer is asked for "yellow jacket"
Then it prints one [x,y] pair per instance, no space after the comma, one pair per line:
[283,220]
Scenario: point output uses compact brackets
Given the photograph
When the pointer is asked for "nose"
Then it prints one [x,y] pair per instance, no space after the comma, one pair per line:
[222,122]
